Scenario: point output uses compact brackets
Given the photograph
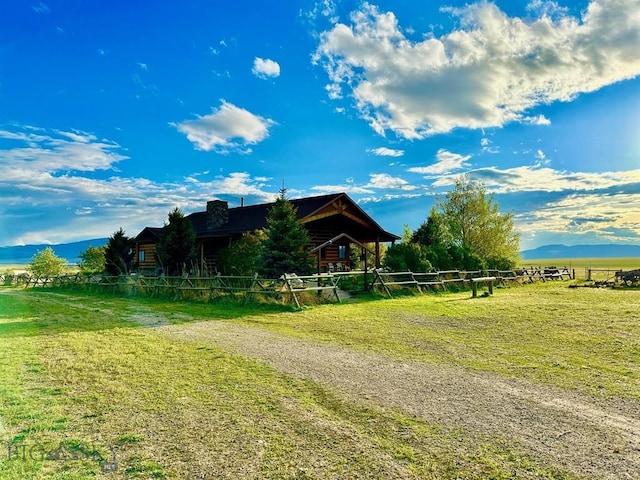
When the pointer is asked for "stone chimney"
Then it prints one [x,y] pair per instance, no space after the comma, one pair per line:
[217,214]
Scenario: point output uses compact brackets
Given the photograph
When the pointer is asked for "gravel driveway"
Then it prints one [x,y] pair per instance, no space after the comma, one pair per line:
[586,435]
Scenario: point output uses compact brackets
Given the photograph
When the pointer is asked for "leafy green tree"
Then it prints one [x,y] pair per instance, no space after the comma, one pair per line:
[176,247]
[241,257]
[433,232]
[92,260]
[404,256]
[474,221]
[285,247]
[118,253]
[45,263]
[406,233]
[441,251]
[464,259]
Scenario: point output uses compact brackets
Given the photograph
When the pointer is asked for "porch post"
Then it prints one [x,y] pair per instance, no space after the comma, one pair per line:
[364,254]
[202,265]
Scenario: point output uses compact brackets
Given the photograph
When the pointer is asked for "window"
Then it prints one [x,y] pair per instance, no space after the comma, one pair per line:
[141,256]
[342,252]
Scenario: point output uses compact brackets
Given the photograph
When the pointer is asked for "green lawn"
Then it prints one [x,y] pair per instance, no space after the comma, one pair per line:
[78,373]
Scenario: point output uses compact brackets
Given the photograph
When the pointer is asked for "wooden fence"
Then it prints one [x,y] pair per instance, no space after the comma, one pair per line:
[387,281]
[288,288]
[610,276]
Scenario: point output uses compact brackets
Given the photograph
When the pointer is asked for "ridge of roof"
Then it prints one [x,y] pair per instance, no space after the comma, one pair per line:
[252,217]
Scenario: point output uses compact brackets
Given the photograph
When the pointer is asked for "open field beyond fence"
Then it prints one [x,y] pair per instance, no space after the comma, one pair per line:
[605,266]
[540,381]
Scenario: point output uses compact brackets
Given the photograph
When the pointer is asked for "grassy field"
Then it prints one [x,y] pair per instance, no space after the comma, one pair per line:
[87,378]
[580,265]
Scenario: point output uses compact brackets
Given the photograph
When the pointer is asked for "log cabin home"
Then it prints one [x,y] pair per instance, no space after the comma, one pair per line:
[334,222]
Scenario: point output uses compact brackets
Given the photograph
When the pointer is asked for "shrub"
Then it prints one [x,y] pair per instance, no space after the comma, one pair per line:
[92,260]
[241,257]
[407,256]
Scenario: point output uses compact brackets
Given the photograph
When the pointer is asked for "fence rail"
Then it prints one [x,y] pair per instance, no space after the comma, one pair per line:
[288,288]
[466,279]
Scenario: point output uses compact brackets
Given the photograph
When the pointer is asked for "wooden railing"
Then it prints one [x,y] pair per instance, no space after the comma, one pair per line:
[387,281]
[288,287]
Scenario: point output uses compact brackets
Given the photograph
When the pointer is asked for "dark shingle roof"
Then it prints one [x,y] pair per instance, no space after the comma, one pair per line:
[253,217]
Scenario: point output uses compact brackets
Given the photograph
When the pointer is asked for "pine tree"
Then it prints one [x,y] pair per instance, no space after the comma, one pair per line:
[119,253]
[176,247]
[285,248]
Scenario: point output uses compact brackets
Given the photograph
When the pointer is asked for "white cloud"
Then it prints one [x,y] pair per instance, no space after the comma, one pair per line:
[543,179]
[490,71]
[323,9]
[54,151]
[348,188]
[546,8]
[41,8]
[390,196]
[60,186]
[237,184]
[486,146]
[537,120]
[386,152]
[446,163]
[264,68]
[386,181]
[600,217]
[227,129]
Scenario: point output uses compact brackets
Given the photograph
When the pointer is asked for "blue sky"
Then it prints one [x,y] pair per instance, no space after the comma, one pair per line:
[114,113]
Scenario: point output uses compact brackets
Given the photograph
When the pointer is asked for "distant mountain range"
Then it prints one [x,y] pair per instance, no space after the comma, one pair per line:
[608,250]
[24,253]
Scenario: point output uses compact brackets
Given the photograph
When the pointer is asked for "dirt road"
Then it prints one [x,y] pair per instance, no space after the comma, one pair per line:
[588,436]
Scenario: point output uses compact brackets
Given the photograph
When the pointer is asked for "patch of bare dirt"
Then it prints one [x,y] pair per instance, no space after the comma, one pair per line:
[586,435]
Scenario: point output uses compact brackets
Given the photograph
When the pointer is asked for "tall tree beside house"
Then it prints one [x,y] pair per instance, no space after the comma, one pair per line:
[467,230]
[118,253]
[176,247]
[285,247]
